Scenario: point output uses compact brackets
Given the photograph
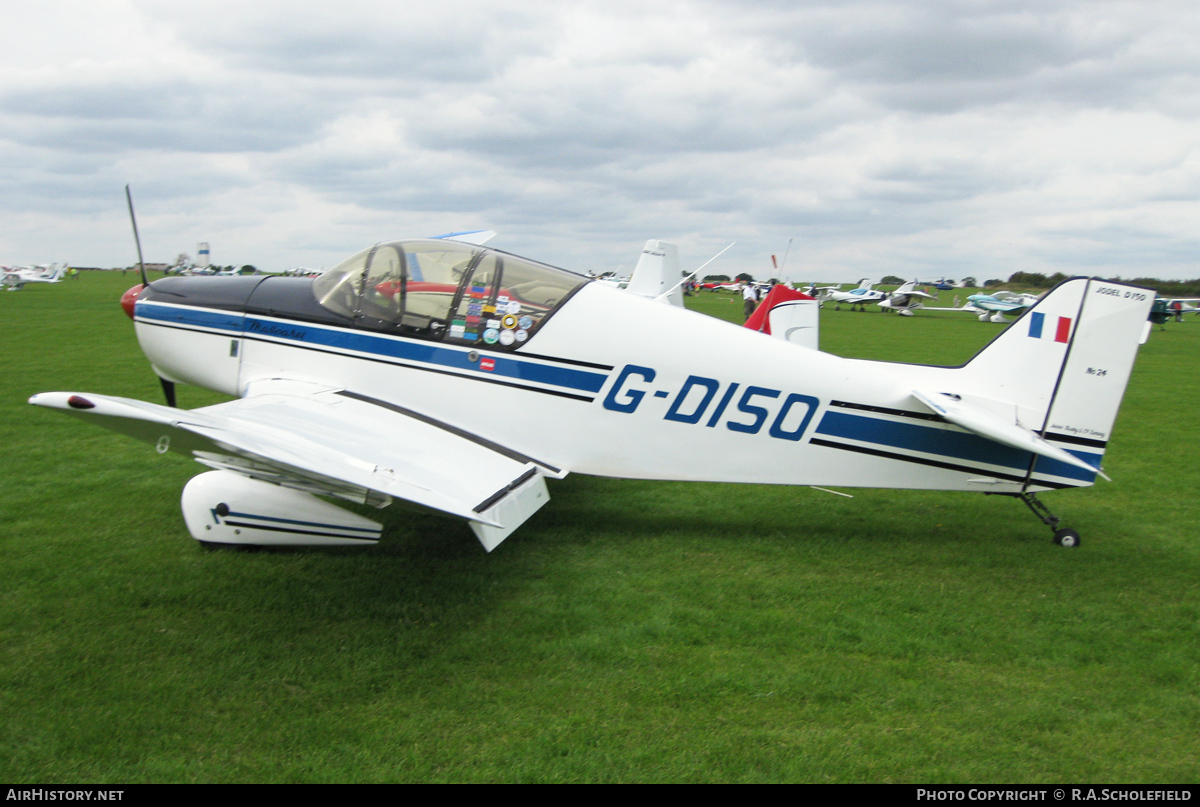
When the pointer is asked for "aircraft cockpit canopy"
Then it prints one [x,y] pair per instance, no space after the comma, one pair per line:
[446,290]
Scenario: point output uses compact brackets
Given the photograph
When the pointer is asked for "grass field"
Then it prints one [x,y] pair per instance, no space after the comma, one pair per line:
[630,631]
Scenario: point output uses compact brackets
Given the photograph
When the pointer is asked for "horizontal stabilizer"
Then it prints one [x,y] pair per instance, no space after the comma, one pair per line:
[992,427]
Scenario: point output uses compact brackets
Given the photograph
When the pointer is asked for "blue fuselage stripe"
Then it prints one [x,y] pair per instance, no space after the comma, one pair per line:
[945,443]
[179,315]
[504,365]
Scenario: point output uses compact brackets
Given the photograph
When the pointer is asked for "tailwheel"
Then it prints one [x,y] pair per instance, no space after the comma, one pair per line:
[1063,536]
[1066,537]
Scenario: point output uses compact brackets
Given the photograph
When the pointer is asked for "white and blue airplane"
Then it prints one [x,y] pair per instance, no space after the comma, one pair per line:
[16,278]
[857,298]
[459,379]
[993,307]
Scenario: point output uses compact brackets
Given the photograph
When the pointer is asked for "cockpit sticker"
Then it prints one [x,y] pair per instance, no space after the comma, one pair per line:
[508,322]
[491,335]
[525,323]
[521,335]
[507,337]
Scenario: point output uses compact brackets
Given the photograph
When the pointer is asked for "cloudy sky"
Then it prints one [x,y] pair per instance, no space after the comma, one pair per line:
[920,138]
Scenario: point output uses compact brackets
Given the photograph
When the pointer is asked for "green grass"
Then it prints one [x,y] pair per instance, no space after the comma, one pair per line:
[631,631]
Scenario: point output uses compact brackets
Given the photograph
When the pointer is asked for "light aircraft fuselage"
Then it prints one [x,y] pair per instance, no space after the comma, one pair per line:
[559,374]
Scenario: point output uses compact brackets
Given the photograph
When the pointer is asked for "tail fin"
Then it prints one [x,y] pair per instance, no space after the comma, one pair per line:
[790,315]
[1064,364]
[657,271]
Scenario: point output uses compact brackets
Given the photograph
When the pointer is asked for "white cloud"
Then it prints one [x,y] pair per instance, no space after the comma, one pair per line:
[921,138]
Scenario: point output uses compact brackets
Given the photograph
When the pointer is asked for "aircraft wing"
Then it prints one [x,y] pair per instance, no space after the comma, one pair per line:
[968,308]
[332,441]
[476,237]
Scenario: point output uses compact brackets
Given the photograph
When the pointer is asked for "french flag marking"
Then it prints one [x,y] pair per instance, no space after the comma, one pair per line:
[1037,324]
[1036,320]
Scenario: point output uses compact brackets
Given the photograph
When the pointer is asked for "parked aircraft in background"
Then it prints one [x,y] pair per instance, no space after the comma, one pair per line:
[15,278]
[1001,303]
[1178,306]
[820,293]
[993,307]
[657,274]
[458,378]
[790,315]
[856,298]
[905,299]
[610,279]
[1165,309]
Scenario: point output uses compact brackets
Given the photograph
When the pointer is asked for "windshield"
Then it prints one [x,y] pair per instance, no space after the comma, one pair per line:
[445,290]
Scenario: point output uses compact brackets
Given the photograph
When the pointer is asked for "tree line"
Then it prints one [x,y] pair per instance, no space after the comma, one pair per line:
[1169,288]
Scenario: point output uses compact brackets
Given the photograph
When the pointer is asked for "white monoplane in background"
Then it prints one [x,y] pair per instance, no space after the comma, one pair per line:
[856,298]
[458,379]
[906,299]
[15,278]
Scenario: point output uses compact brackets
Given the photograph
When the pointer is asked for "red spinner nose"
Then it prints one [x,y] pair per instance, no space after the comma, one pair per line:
[129,298]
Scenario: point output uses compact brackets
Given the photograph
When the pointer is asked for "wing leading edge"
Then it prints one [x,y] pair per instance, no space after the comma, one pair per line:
[325,440]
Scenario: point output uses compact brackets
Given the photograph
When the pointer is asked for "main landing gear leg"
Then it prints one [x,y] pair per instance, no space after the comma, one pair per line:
[1062,536]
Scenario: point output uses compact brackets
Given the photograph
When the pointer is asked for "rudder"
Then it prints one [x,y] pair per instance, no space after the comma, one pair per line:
[1065,363]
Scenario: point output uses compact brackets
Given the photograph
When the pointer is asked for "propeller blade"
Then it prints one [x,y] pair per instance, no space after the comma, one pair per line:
[137,239]
[168,387]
